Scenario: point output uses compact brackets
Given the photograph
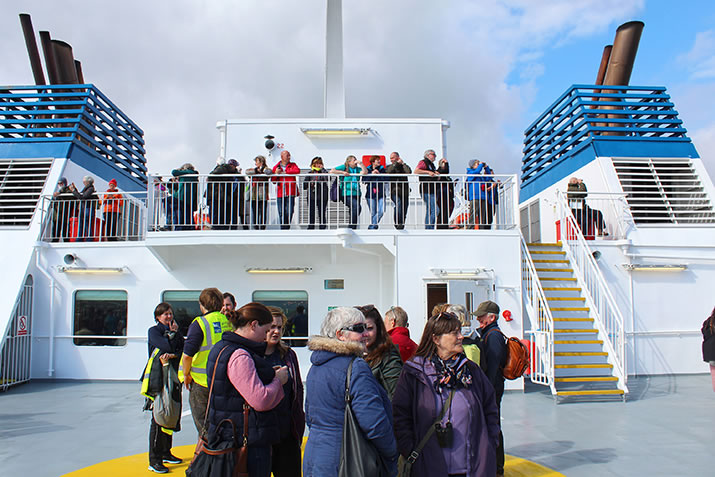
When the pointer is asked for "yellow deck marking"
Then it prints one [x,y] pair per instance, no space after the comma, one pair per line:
[590,392]
[561,288]
[545,244]
[136,465]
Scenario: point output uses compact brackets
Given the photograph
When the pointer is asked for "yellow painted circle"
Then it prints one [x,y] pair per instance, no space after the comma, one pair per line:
[137,464]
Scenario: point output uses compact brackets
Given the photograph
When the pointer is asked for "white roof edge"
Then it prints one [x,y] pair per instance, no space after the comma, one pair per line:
[331,121]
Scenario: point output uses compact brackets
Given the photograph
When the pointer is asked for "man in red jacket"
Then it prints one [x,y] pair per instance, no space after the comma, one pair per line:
[287,189]
[396,324]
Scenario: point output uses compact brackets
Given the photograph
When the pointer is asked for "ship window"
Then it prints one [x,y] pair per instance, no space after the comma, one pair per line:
[186,306]
[295,306]
[100,317]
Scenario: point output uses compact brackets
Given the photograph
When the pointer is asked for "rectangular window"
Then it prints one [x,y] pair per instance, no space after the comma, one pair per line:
[100,317]
[186,307]
[295,306]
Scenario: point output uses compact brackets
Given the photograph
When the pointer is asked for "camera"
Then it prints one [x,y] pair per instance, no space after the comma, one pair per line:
[445,434]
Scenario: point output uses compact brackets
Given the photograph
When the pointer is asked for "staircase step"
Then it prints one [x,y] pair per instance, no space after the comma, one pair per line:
[585,379]
[581,353]
[569,270]
[578,342]
[547,252]
[557,279]
[572,330]
[573,319]
[590,392]
[551,261]
[545,244]
[561,288]
[569,308]
[583,365]
[565,298]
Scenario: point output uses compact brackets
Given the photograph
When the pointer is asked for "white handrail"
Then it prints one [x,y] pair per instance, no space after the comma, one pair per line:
[606,315]
[542,323]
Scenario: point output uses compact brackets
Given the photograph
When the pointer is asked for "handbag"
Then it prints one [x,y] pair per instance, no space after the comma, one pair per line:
[358,456]
[334,191]
[404,464]
[215,458]
[167,405]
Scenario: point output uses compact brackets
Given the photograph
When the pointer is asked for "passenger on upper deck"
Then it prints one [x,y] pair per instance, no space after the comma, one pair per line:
[445,195]
[586,217]
[428,187]
[112,208]
[349,191]
[87,208]
[187,195]
[259,192]
[287,189]
[481,192]
[399,189]
[63,208]
[225,194]
[316,184]
[375,193]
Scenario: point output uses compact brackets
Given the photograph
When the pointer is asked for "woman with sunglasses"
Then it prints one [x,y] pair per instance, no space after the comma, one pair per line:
[382,354]
[291,418]
[442,393]
[342,341]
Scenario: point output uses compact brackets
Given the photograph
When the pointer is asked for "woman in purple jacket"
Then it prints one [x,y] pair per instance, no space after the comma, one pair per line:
[465,439]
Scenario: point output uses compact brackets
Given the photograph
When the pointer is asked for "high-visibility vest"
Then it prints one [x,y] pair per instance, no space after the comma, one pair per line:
[212,326]
[147,372]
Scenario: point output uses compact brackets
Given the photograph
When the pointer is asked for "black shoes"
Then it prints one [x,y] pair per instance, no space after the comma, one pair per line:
[171,459]
[159,468]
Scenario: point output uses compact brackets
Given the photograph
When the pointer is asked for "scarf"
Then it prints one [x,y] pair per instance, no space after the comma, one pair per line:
[452,373]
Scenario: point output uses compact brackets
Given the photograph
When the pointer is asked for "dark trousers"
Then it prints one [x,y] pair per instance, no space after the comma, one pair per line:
[111,226]
[85,229]
[286,206]
[185,214]
[317,203]
[353,204]
[259,461]
[198,399]
[500,446]
[259,214]
[401,204]
[486,214]
[159,443]
[286,458]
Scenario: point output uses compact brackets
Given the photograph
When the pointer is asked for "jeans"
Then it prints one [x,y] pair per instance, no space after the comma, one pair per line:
[401,204]
[377,209]
[431,210]
[286,205]
[353,204]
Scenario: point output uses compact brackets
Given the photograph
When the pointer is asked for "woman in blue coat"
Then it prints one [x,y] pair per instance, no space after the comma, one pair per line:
[342,340]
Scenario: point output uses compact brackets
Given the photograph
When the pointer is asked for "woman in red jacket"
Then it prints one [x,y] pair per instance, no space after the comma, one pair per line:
[287,189]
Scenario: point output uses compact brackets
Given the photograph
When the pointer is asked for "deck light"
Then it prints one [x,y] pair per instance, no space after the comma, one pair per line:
[670,267]
[441,272]
[280,270]
[335,132]
[93,270]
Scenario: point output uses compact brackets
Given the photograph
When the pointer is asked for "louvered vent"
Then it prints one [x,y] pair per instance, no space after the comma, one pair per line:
[664,191]
[21,183]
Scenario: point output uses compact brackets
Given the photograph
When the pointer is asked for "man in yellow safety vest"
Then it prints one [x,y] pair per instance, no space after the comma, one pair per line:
[203,332]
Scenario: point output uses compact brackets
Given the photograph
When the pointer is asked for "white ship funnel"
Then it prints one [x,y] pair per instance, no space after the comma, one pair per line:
[334,104]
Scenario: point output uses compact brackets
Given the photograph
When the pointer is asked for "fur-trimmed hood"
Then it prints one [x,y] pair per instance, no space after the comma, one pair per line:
[334,345]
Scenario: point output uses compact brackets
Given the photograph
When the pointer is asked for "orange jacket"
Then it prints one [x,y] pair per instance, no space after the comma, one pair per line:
[112,202]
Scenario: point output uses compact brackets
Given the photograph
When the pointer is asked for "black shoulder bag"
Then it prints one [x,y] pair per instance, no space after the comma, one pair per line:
[358,456]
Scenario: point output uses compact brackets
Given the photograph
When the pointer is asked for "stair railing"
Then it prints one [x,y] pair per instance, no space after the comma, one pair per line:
[605,312]
[541,365]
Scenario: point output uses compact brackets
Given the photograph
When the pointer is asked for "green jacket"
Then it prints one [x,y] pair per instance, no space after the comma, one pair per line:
[387,370]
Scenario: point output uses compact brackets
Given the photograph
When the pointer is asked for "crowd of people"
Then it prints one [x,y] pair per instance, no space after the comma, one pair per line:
[238,199]
[432,408]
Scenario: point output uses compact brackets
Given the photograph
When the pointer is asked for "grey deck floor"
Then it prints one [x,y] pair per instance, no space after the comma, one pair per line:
[667,427]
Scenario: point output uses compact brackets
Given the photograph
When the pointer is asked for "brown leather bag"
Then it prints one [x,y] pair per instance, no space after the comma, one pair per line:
[202,447]
[517,361]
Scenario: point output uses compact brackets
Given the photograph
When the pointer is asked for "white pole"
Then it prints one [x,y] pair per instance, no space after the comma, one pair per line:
[334,105]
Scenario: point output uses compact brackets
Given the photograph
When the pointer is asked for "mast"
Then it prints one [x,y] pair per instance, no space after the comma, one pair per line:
[334,104]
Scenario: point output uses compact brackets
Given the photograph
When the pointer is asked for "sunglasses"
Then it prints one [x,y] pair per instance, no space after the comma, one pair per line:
[356,328]
[446,316]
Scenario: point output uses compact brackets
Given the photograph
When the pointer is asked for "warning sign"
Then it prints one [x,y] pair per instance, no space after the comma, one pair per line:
[22,326]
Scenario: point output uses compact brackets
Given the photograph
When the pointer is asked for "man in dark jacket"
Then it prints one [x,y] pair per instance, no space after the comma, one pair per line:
[399,189]
[493,357]
[62,210]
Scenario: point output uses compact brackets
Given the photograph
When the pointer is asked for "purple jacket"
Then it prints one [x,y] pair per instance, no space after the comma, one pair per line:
[415,410]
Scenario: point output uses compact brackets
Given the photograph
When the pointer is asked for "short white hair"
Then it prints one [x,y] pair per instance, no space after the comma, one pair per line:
[339,318]
[460,312]
[428,152]
[88,179]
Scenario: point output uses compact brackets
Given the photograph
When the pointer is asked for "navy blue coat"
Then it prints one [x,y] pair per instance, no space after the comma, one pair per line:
[325,407]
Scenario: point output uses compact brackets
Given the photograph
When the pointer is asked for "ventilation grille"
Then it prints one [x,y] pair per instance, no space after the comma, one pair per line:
[21,183]
[664,191]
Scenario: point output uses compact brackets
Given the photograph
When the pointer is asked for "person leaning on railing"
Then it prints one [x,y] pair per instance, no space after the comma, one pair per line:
[112,208]
[259,192]
[399,188]
[428,187]
[349,187]
[317,184]
[87,208]
[63,208]
[375,190]
[286,190]
[576,193]
[186,194]
[445,195]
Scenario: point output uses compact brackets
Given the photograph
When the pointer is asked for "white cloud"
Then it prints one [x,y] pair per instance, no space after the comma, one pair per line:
[704,140]
[700,59]
[177,67]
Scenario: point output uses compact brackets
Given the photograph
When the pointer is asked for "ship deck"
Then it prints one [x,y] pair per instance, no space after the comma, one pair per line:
[51,428]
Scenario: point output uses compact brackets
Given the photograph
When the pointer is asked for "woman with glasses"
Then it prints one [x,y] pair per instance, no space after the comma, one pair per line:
[382,354]
[317,183]
[291,418]
[341,342]
[442,393]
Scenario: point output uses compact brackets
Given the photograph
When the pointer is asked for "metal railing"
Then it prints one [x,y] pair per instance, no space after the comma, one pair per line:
[111,217]
[603,215]
[541,365]
[607,317]
[16,342]
[329,201]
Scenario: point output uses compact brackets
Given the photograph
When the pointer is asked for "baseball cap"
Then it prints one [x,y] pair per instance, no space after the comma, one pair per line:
[487,307]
